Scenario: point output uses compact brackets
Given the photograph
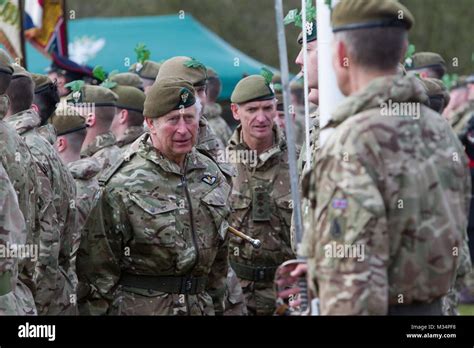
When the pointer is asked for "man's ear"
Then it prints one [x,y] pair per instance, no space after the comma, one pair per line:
[235,111]
[61,144]
[150,124]
[123,116]
[35,107]
[342,57]
[91,120]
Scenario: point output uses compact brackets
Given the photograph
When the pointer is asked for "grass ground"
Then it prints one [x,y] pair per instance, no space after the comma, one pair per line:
[466,309]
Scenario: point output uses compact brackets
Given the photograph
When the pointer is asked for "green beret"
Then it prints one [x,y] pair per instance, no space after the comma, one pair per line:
[19,71]
[68,121]
[186,68]
[148,70]
[100,96]
[252,88]
[276,83]
[423,60]
[168,94]
[5,63]
[127,79]
[357,14]
[129,98]
[42,82]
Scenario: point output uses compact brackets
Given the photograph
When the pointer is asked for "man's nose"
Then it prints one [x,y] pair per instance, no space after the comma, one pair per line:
[182,127]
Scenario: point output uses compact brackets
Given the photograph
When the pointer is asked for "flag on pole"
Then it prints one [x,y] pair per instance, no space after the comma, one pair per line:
[45,26]
[11,35]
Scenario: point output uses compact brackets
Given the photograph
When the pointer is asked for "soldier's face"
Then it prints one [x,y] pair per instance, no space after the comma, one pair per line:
[256,118]
[312,61]
[175,134]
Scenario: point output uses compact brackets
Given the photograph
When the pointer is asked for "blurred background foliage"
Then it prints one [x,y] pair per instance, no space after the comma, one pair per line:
[442,26]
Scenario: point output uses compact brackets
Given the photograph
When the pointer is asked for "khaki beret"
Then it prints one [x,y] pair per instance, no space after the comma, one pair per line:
[148,70]
[127,79]
[422,60]
[129,98]
[99,96]
[357,14]
[19,71]
[5,63]
[68,121]
[186,68]
[168,94]
[41,82]
[251,88]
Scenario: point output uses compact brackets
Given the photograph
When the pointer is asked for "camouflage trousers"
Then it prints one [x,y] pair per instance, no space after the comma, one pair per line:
[259,296]
[234,303]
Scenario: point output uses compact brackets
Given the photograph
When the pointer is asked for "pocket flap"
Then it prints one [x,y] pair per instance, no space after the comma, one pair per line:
[153,205]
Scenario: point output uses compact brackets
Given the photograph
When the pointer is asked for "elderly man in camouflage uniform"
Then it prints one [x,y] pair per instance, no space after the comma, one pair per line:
[71,130]
[57,291]
[382,189]
[196,73]
[261,204]
[98,105]
[156,241]
[127,125]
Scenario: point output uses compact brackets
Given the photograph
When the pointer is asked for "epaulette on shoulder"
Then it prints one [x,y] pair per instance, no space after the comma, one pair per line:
[107,175]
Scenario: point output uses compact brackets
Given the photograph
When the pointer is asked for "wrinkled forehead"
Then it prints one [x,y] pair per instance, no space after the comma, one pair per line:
[189,111]
[259,104]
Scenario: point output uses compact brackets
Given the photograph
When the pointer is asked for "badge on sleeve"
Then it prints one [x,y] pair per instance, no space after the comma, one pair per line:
[209,179]
[339,203]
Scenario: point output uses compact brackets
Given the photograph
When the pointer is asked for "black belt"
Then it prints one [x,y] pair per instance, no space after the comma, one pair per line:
[420,308]
[173,285]
[256,274]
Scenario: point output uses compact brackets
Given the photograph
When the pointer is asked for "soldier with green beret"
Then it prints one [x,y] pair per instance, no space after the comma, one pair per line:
[46,100]
[261,197]
[427,64]
[127,125]
[156,240]
[55,278]
[145,68]
[370,191]
[195,72]
[212,110]
[127,79]
[98,105]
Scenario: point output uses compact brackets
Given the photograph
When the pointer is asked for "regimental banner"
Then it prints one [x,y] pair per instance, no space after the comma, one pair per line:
[11,36]
[45,26]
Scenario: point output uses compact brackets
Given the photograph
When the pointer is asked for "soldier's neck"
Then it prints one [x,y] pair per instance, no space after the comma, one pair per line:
[360,78]
[259,145]
[70,156]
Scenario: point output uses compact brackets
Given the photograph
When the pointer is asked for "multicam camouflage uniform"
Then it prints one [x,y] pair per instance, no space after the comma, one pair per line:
[84,172]
[64,192]
[461,117]
[387,184]
[20,168]
[208,142]
[261,208]
[12,232]
[131,134]
[104,150]
[213,114]
[156,242]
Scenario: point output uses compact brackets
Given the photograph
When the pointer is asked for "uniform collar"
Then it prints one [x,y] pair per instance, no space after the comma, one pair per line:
[131,134]
[279,144]
[85,168]
[100,142]
[24,121]
[382,89]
